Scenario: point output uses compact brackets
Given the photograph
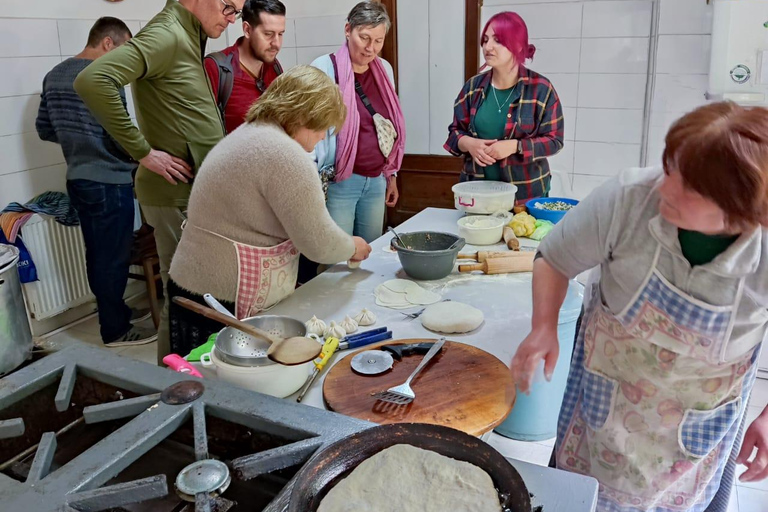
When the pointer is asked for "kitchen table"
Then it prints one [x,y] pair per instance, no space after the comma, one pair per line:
[504,299]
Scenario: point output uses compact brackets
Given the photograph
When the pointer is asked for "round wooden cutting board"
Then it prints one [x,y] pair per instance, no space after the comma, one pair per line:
[463,387]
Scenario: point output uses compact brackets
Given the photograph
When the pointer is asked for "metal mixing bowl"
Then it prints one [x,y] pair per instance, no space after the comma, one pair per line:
[428,255]
[235,347]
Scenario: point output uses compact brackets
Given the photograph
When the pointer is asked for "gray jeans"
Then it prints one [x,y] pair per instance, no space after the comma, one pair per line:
[166,221]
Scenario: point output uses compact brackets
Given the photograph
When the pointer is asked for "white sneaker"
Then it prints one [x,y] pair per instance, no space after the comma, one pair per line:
[139,315]
[136,336]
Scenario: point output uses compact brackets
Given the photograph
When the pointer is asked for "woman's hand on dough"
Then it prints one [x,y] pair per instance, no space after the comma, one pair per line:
[539,344]
[362,249]
[755,438]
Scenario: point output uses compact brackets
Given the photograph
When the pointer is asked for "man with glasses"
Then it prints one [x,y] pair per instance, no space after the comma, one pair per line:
[240,74]
[175,110]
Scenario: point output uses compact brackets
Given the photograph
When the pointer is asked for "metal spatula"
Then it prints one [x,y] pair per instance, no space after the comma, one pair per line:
[403,394]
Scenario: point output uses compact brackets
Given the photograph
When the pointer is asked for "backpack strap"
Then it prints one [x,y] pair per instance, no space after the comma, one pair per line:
[226,79]
[364,98]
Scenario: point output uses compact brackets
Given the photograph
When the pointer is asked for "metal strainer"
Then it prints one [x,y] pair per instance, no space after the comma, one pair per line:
[238,348]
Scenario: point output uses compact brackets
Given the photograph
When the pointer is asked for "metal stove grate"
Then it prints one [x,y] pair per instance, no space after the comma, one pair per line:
[164,401]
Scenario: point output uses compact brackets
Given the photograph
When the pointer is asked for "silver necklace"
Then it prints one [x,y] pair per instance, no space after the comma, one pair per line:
[506,101]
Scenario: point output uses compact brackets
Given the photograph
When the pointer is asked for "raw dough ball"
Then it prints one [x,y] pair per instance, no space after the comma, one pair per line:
[451,317]
[365,317]
[315,326]
[348,324]
[354,264]
[335,331]
[404,478]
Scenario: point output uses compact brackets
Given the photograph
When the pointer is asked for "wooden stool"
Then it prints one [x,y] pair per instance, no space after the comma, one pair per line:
[144,254]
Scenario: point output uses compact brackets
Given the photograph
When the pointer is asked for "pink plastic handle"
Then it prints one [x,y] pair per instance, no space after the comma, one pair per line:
[462,203]
[179,364]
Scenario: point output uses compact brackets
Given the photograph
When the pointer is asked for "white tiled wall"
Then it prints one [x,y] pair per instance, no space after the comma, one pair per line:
[36,36]
[431,70]
[596,53]
[682,69]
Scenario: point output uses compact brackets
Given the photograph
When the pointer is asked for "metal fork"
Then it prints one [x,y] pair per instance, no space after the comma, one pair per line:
[414,316]
[403,394]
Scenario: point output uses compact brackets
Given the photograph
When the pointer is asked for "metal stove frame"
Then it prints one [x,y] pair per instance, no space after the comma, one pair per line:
[78,486]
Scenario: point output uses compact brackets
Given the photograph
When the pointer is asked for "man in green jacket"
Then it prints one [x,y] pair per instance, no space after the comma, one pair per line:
[175,110]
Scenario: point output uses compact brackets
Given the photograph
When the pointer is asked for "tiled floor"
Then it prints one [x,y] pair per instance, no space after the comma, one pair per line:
[752,497]
[88,331]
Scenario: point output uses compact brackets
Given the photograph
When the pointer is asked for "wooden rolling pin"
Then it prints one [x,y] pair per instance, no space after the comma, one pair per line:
[510,239]
[481,256]
[522,263]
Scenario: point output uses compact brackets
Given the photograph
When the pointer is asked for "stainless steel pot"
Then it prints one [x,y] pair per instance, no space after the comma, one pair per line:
[15,335]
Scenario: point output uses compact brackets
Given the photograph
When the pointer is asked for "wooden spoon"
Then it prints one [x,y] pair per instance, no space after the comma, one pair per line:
[290,351]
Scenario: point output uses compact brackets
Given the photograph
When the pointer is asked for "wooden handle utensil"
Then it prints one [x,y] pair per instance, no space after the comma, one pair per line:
[481,256]
[522,263]
[290,351]
[510,239]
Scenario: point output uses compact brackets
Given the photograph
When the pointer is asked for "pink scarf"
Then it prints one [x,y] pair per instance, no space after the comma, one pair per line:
[346,141]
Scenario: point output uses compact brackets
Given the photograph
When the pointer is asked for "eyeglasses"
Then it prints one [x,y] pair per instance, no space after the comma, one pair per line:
[229,10]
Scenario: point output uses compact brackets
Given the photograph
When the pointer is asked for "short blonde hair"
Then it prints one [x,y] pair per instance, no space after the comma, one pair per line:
[302,97]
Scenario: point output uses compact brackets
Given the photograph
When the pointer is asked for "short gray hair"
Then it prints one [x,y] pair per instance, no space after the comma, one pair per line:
[368,14]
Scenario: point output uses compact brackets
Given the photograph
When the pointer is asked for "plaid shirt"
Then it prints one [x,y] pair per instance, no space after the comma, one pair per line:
[536,121]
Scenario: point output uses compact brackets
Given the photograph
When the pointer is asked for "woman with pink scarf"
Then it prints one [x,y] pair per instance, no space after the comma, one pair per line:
[360,162]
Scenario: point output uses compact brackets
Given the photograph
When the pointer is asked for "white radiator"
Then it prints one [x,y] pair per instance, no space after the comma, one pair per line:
[59,255]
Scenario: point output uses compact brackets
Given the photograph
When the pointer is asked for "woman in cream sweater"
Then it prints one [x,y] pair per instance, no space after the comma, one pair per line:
[257,203]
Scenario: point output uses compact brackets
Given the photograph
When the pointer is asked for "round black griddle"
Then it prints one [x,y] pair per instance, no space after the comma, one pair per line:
[329,466]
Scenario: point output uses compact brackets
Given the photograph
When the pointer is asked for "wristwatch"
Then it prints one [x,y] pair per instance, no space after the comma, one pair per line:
[519,148]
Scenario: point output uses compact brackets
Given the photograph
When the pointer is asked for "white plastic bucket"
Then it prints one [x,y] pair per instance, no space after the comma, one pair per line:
[534,416]
[484,197]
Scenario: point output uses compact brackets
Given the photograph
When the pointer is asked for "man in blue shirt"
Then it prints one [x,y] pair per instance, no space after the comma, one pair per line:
[99,183]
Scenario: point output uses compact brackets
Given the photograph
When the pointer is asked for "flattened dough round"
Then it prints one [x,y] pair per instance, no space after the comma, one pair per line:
[451,317]
[401,285]
[404,478]
[422,297]
[385,296]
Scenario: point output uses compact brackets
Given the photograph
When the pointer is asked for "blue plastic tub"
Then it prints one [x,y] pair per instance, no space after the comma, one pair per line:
[553,217]
[534,416]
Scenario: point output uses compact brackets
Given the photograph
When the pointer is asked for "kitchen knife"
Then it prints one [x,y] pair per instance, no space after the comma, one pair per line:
[400,351]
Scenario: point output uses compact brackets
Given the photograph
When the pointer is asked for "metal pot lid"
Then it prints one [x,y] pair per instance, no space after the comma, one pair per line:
[372,362]
[8,254]
[209,476]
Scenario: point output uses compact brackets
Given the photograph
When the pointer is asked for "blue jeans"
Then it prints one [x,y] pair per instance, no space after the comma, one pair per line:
[357,205]
[106,218]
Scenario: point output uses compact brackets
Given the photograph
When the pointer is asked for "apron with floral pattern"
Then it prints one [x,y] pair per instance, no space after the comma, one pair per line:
[652,409]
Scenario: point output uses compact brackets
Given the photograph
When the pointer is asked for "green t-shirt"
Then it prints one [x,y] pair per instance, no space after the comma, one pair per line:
[700,249]
[490,120]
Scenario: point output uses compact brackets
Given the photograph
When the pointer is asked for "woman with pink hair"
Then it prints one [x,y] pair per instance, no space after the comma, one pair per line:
[508,120]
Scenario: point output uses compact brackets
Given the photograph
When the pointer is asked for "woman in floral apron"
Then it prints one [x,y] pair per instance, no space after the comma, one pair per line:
[256,204]
[674,320]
